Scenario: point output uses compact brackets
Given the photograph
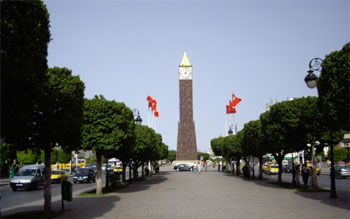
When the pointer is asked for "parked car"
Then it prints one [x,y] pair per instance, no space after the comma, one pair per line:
[272,169]
[58,176]
[342,171]
[288,168]
[84,175]
[28,177]
[265,166]
[117,169]
[184,167]
[109,167]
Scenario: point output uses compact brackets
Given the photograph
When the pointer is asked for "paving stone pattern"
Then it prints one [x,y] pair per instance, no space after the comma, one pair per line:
[211,194]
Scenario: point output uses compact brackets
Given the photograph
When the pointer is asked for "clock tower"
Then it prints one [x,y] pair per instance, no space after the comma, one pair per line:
[186,136]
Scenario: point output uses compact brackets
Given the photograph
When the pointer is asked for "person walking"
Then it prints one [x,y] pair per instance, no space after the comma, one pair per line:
[305,174]
[199,167]
[297,174]
[194,167]
[12,172]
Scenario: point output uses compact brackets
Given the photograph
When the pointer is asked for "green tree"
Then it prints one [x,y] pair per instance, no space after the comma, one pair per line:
[340,154]
[108,130]
[58,119]
[57,156]
[333,89]
[217,145]
[171,155]
[24,40]
[253,142]
[27,157]
[289,126]
[205,155]
[145,140]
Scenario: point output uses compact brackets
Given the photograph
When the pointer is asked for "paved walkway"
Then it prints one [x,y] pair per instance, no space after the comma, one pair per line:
[208,195]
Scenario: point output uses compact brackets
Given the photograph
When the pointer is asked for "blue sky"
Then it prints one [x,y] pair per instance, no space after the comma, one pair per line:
[259,50]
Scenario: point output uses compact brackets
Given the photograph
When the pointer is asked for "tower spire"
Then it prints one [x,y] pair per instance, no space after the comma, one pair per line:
[185,61]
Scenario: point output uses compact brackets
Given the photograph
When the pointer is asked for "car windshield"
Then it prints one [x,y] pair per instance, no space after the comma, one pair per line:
[275,166]
[83,171]
[55,172]
[26,172]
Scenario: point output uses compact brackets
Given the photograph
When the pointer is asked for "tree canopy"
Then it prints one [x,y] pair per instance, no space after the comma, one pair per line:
[108,130]
[333,88]
[24,40]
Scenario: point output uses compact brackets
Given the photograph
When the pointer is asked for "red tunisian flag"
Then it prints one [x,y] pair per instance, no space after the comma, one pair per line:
[150,100]
[230,109]
[235,101]
[227,109]
[156,114]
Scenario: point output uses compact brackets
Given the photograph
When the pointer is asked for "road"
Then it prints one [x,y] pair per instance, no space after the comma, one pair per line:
[342,185]
[13,202]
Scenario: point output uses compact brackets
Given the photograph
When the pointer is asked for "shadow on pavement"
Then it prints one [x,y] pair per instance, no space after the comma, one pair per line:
[81,207]
[88,207]
[343,200]
[145,184]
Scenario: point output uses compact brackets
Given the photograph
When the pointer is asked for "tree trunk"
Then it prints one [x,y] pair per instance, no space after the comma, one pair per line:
[260,167]
[314,177]
[143,171]
[253,168]
[47,186]
[238,166]
[99,172]
[107,177]
[124,170]
[279,159]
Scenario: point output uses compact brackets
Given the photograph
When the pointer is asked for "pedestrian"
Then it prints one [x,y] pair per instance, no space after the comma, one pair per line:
[305,174]
[194,167]
[12,171]
[297,174]
[199,167]
[205,166]
[220,165]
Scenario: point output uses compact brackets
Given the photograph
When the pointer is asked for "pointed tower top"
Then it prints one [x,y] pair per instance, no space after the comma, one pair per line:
[185,61]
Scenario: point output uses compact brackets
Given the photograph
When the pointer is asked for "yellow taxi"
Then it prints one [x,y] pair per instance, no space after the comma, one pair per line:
[265,166]
[272,169]
[58,176]
[117,169]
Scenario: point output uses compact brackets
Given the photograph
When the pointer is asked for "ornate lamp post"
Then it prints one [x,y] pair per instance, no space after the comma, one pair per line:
[311,82]
[230,132]
[138,120]
[311,78]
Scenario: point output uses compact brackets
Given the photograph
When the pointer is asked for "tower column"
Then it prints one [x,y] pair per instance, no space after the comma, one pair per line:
[186,137]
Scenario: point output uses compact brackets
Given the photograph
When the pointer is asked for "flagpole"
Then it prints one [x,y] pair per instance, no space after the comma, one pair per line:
[149,118]
[155,124]
[226,125]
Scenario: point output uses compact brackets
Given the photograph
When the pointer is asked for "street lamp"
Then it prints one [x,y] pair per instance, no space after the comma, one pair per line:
[311,82]
[230,132]
[311,78]
[138,119]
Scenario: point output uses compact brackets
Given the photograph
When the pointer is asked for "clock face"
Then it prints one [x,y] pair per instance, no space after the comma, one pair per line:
[185,73]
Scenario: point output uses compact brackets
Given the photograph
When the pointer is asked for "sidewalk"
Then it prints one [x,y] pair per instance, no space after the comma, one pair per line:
[211,194]
[4,181]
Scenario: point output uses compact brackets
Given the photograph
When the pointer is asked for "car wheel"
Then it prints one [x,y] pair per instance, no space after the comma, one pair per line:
[75,182]
[14,189]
